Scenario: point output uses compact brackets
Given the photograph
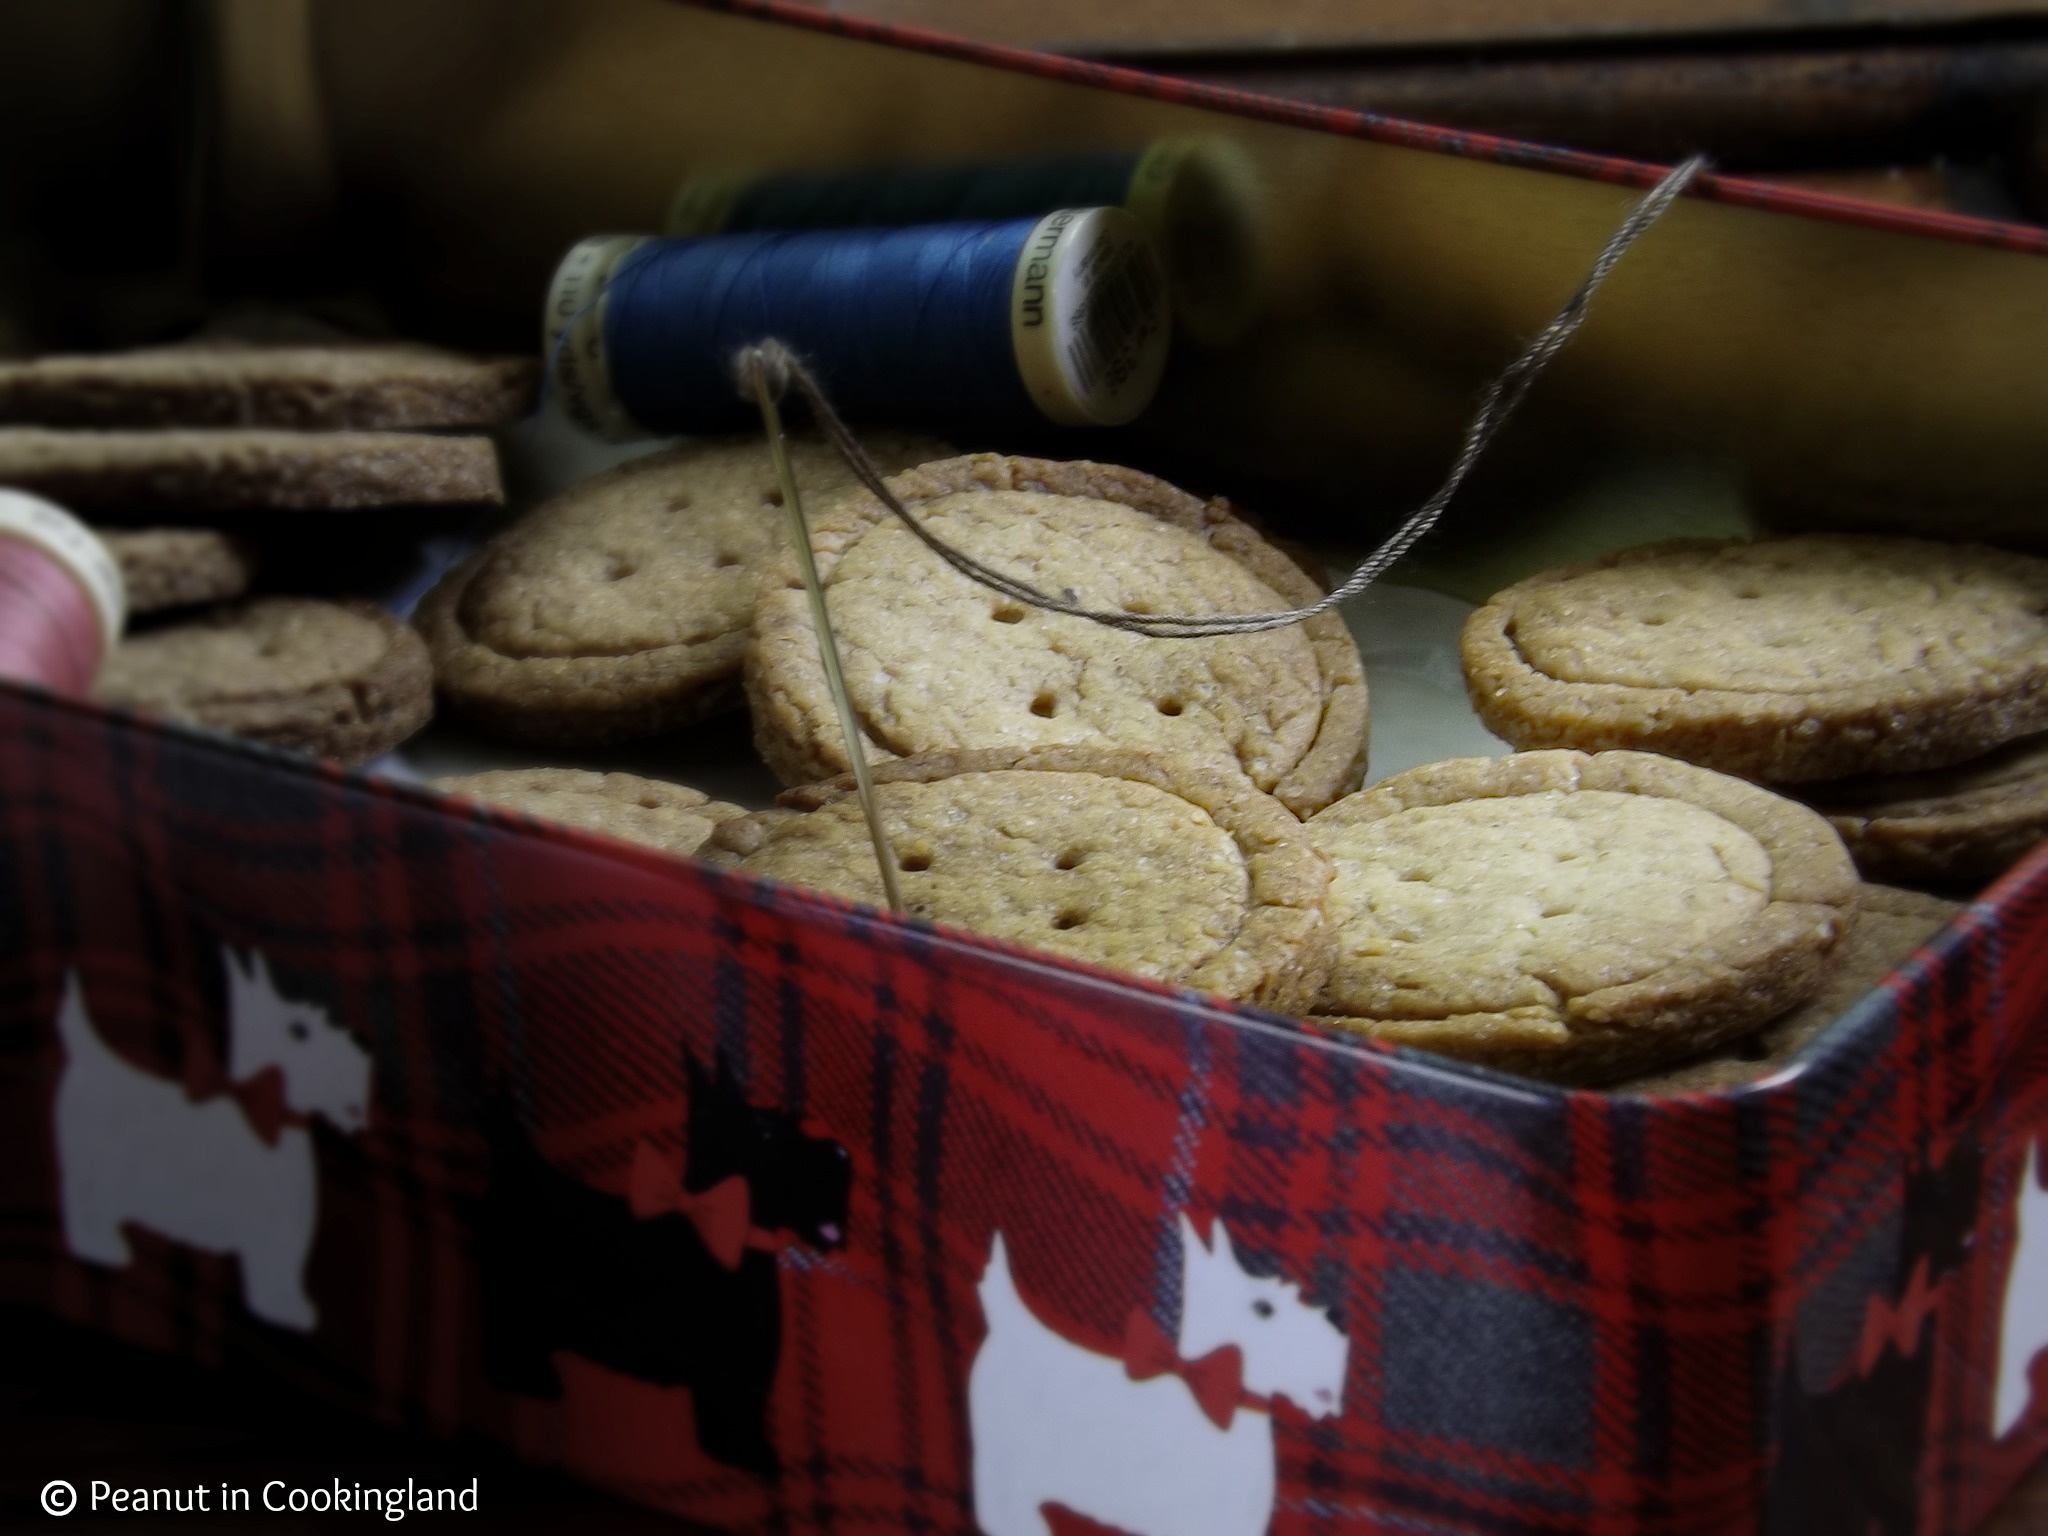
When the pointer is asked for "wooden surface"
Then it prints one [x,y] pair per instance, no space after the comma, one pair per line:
[78,1407]
[1090,26]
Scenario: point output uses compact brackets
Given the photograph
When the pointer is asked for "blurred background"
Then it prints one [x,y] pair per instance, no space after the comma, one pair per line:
[161,151]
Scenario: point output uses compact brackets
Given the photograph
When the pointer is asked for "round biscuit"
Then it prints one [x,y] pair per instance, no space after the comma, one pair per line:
[1890,924]
[350,385]
[1152,866]
[177,567]
[620,609]
[1973,821]
[1782,660]
[1575,917]
[340,680]
[652,812]
[202,472]
[936,662]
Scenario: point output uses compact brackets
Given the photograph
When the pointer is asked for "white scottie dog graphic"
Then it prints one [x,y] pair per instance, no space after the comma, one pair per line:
[134,1147]
[2023,1330]
[1171,1439]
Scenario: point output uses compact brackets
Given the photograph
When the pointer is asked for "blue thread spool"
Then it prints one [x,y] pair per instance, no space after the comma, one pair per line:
[961,326]
[1198,199]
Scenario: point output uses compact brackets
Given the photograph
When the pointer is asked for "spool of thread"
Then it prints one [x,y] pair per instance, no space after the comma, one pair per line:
[961,327]
[62,603]
[1197,198]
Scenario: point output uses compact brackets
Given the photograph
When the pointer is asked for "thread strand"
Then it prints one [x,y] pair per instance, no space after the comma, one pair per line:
[763,376]
[1497,406]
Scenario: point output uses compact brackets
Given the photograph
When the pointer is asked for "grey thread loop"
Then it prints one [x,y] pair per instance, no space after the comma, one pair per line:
[1503,397]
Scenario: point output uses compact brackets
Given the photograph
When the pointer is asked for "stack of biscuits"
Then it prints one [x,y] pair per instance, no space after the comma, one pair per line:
[1186,811]
[1899,686]
[1896,688]
[180,453]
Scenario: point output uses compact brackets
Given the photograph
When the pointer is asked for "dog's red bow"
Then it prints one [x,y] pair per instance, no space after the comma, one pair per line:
[1897,1325]
[722,1214]
[1217,1379]
[260,1098]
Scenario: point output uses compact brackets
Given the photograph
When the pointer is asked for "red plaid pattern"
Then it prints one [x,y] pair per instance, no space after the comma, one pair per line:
[1565,1312]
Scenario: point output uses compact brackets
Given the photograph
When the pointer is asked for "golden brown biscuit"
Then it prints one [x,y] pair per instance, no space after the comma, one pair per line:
[672,817]
[1890,924]
[201,471]
[1160,868]
[363,386]
[1785,660]
[620,609]
[343,680]
[1575,917]
[937,662]
[1970,822]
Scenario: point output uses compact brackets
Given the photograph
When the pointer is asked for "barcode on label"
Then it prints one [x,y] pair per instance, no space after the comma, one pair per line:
[1117,315]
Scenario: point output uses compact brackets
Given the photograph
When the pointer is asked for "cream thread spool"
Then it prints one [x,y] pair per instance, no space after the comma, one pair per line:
[62,601]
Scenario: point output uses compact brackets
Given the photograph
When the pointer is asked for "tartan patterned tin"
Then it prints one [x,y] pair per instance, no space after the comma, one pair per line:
[790,1216]
[692,1184]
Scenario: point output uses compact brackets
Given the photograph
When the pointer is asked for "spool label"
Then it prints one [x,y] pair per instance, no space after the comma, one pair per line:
[573,336]
[1089,317]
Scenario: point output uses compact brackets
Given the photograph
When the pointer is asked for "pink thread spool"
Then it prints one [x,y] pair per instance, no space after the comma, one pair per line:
[62,603]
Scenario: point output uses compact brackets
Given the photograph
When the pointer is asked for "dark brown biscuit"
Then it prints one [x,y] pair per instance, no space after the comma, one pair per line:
[1890,925]
[342,680]
[672,817]
[1783,660]
[1970,822]
[177,567]
[146,473]
[365,387]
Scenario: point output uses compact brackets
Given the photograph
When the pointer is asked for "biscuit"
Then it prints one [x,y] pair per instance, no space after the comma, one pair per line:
[177,567]
[1157,867]
[1785,660]
[1970,822]
[365,387]
[936,662]
[1890,925]
[672,817]
[341,680]
[232,469]
[1574,917]
[621,608]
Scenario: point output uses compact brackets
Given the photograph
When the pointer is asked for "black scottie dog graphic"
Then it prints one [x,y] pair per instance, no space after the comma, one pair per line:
[677,1284]
[1849,1455]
